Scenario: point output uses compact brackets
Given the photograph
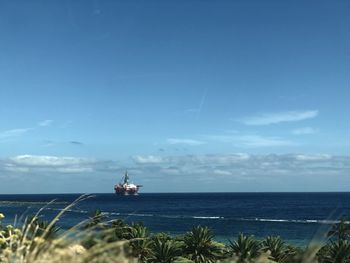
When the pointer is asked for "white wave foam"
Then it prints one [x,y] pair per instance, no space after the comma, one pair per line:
[301,221]
[208,217]
[142,215]
[68,210]
[273,220]
[166,216]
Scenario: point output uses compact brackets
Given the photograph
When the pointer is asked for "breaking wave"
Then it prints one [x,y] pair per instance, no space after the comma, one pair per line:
[297,221]
[208,217]
[272,220]
[167,216]
[68,210]
[300,221]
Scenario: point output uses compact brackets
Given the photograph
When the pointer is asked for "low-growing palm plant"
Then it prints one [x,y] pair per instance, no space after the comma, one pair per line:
[340,230]
[277,248]
[244,248]
[140,242]
[200,247]
[338,252]
[96,218]
[138,231]
[161,237]
[164,251]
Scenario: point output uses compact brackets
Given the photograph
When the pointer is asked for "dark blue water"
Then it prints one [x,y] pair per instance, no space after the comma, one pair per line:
[296,217]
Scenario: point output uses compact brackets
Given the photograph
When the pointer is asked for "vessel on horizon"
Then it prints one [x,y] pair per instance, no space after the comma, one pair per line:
[125,187]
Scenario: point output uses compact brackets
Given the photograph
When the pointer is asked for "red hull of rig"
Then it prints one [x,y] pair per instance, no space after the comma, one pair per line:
[126,188]
[119,189]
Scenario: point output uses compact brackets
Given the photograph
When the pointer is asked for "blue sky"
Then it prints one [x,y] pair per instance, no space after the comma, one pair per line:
[187,95]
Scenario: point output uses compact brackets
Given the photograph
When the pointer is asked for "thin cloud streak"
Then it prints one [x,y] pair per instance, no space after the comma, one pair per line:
[13,133]
[201,104]
[45,123]
[279,117]
[189,142]
[198,110]
[305,130]
[259,141]
[250,141]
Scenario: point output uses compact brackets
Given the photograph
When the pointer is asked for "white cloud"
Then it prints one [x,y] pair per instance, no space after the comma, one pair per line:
[40,160]
[278,117]
[13,133]
[260,141]
[189,142]
[222,172]
[149,159]
[193,172]
[305,130]
[75,169]
[171,171]
[41,163]
[313,157]
[192,159]
[222,138]
[45,123]
[244,166]
[13,168]
[254,141]
[221,159]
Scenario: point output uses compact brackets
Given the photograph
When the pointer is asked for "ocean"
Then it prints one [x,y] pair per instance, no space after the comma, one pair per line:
[299,218]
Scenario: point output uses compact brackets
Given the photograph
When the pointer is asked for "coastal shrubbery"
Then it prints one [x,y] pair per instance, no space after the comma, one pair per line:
[100,240]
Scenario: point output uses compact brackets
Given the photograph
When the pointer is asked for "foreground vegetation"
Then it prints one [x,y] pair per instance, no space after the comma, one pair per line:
[100,240]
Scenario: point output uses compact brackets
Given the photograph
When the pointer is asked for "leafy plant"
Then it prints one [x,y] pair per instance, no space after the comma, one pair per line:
[138,236]
[277,248]
[164,251]
[96,218]
[340,230]
[338,252]
[245,248]
[200,247]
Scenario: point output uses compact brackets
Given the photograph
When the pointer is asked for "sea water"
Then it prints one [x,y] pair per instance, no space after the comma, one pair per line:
[299,218]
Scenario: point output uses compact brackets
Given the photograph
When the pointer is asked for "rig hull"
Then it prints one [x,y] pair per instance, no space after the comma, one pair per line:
[122,190]
[126,188]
